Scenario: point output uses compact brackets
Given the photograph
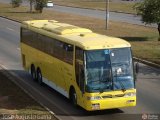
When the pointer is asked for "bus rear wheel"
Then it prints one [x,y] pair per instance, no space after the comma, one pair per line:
[39,76]
[33,72]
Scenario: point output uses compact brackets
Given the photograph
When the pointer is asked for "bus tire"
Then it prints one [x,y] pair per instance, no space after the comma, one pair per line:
[39,76]
[73,96]
[33,72]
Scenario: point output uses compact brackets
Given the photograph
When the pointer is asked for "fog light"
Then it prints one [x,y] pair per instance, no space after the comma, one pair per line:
[96,106]
[130,101]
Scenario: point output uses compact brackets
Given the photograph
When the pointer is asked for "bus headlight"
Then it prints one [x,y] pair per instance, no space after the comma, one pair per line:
[130,94]
[94,98]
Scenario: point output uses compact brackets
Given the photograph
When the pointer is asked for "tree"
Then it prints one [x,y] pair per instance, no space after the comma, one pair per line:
[39,5]
[31,2]
[150,12]
[16,3]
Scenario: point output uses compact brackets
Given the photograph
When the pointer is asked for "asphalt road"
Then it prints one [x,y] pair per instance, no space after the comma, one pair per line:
[148,85]
[114,16]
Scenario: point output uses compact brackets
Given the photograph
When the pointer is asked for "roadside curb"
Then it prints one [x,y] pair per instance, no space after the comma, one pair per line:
[9,76]
[147,62]
[10,19]
[96,9]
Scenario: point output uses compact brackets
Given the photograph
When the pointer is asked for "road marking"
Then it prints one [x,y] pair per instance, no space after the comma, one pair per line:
[10,29]
[3,66]
[18,48]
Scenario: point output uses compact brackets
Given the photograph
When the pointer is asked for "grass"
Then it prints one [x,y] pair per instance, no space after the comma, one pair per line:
[13,101]
[120,6]
[144,40]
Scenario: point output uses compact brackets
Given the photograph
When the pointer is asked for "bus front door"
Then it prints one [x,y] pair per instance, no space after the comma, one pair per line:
[80,82]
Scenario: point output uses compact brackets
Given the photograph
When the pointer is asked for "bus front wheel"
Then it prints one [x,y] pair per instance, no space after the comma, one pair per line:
[73,97]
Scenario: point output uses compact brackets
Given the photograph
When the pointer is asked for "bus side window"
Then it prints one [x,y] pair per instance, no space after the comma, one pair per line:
[68,53]
[26,36]
[30,38]
[79,68]
[58,49]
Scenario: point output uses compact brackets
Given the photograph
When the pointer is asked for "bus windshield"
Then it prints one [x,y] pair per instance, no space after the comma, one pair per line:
[109,69]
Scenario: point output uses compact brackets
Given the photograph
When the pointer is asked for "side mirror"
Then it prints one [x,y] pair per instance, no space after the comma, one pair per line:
[136,67]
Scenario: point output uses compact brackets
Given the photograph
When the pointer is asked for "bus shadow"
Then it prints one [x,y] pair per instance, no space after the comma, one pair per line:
[103,112]
[135,39]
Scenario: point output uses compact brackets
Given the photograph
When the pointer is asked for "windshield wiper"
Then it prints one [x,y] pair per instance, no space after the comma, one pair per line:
[105,80]
[120,82]
[122,86]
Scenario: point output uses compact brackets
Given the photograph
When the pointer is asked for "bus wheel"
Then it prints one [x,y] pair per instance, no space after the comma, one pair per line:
[33,72]
[39,76]
[73,97]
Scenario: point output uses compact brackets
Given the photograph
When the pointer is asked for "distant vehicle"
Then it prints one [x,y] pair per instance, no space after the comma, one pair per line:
[49,4]
[94,71]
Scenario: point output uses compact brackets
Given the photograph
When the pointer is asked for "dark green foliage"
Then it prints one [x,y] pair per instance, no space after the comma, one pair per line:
[150,11]
[16,3]
[39,5]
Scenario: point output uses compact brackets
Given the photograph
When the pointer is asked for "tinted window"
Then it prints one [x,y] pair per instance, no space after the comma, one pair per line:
[51,46]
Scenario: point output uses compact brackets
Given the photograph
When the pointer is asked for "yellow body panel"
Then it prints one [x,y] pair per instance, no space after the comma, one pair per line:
[63,74]
[52,69]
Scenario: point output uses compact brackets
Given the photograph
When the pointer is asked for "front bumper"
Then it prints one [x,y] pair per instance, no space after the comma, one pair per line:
[110,103]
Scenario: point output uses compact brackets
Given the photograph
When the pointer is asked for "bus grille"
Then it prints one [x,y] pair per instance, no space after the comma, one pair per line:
[107,96]
[112,96]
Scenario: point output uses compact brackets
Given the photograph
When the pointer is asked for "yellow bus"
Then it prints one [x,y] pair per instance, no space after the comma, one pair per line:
[94,71]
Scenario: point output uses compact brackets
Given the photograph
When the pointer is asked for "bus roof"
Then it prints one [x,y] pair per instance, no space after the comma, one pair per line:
[81,37]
